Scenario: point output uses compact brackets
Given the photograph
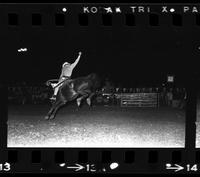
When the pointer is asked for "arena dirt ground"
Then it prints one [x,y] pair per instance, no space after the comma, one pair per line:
[99,126]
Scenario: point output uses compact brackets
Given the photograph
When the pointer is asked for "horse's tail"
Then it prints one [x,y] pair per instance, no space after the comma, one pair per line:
[92,76]
[95,80]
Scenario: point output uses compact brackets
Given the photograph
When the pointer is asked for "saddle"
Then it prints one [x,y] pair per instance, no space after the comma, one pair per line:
[69,82]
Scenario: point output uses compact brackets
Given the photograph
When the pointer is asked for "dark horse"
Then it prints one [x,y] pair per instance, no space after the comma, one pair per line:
[79,89]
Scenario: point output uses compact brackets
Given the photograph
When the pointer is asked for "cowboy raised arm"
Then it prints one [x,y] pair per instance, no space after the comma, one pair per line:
[77,60]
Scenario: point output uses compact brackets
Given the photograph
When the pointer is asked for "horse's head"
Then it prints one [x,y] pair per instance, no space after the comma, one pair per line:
[51,83]
[47,83]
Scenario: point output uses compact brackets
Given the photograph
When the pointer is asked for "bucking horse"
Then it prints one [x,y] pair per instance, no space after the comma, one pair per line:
[79,89]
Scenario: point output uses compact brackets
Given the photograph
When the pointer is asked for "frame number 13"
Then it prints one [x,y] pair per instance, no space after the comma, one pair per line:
[5,166]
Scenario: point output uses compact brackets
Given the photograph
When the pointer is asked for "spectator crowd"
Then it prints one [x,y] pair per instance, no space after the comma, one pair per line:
[23,94]
[40,94]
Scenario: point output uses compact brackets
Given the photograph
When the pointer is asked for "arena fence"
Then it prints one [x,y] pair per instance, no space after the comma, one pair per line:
[139,100]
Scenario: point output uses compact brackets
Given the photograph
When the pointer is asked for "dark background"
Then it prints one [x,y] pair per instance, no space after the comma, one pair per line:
[132,56]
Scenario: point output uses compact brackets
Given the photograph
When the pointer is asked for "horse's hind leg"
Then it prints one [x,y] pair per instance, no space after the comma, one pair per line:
[89,99]
[78,100]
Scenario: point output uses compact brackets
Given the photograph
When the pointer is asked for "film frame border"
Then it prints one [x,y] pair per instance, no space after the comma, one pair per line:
[56,15]
[22,157]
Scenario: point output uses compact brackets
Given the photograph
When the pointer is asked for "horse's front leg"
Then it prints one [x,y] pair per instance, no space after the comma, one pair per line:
[53,114]
[49,114]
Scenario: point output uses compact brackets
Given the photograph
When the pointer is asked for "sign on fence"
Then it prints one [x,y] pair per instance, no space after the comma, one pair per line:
[139,99]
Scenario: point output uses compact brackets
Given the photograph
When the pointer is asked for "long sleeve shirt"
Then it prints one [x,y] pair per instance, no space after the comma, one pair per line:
[68,69]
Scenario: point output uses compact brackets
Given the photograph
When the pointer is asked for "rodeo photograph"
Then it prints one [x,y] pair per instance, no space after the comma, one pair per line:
[98,86]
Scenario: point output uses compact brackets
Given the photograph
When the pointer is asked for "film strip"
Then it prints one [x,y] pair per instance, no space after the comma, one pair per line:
[107,14]
[142,129]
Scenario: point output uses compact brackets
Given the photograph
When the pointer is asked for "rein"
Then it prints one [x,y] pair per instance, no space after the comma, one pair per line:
[56,80]
[59,84]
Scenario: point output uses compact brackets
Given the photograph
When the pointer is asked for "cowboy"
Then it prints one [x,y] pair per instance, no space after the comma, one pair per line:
[66,73]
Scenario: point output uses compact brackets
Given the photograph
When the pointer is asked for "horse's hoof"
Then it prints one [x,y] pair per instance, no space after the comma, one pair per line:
[46,117]
[51,117]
